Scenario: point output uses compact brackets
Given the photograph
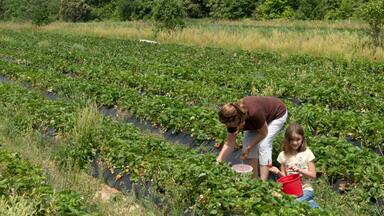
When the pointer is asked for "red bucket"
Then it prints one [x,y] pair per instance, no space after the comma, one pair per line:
[292,185]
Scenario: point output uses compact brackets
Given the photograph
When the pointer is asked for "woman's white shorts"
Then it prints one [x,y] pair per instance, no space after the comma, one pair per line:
[263,150]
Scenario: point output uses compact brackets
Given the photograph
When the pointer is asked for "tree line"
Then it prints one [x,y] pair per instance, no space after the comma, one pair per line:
[85,10]
[169,14]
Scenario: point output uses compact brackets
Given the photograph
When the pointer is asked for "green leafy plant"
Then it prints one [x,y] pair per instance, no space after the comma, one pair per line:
[75,10]
[373,13]
[168,15]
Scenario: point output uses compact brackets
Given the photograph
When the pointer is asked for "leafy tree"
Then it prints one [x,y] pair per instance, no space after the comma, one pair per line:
[273,9]
[168,14]
[346,9]
[2,10]
[75,10]
[373,13]
[39,12]
[98,3]
[231,9]
[16,9]
[53,9]
[134,9]
[196,8]
[105,10]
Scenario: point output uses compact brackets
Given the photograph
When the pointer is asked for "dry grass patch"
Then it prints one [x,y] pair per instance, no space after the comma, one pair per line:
[319,37]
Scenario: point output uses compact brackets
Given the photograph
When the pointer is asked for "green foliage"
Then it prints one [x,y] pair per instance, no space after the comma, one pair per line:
[39,12]
[274,9]
[25,186]
[373,13]
[99,3]
[107,11]
[231,9]
[346,9]
[2,9]
[168,15]
[15,9]
[85,138]
[308,9]
[134,9]
[178,88]
[196,8]
[75,10]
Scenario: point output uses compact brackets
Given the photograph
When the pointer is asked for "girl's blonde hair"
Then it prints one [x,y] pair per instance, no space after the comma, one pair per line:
[293,128]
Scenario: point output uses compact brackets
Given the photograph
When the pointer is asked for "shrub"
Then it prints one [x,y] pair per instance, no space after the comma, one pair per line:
[231,9]
[195,8]
[168,14]
[15,9]
[75,10]
[106,11]
[39,12]
[134,9]
[274,9]
[373,13]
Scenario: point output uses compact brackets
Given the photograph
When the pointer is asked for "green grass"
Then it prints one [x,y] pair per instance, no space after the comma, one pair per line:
[347,203]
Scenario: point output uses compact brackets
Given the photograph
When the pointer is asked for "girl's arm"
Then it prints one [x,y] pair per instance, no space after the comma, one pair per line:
[283,171]
[311,172]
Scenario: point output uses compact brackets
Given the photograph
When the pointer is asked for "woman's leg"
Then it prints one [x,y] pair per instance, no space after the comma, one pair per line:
[253,159]
[265,146]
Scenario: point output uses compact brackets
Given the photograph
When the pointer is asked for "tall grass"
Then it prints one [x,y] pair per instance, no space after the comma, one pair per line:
[16,205]
[319,38]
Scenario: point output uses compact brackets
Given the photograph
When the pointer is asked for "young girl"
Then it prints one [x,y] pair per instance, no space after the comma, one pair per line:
[296,158]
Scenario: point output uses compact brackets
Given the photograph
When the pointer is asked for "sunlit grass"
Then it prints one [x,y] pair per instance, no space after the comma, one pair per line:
[318,38]
[16,205]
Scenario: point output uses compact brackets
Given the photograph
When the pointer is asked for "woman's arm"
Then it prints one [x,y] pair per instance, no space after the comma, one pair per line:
[276,170]
[260,135]
[228,147]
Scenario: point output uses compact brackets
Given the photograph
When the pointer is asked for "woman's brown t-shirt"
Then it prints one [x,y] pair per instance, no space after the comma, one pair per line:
[261,109]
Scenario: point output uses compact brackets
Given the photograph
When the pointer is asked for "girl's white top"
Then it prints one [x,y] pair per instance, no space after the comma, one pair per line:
[301,160]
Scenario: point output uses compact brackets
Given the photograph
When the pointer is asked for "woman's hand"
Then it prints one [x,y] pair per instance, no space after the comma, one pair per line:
[245,154]
[274,170]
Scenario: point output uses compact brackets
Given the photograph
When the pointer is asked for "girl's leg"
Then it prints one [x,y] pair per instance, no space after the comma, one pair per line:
[308,197]
[313,204]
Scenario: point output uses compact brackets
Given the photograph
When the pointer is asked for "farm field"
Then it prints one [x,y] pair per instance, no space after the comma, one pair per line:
[178,88]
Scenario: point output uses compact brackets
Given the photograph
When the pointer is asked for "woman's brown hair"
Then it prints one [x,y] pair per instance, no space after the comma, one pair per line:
[230,112]
[293,128]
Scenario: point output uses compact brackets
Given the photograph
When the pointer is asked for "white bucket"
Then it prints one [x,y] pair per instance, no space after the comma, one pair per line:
[242,168]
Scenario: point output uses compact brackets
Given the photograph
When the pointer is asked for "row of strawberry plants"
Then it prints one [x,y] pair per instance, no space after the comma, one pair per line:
[180,116]
[190,181]
[21,180]
[363,168]
[353,86]
[350,125]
